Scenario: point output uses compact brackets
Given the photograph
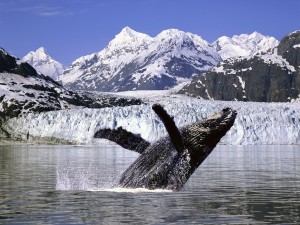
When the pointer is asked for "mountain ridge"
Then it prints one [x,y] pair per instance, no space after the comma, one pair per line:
[135,61]
[243,45]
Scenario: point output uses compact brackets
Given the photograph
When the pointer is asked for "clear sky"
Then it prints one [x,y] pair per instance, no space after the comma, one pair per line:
[69,29]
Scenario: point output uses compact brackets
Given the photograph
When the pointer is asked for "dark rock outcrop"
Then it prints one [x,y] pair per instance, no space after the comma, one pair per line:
[11,64]
[265,77]
[289,48]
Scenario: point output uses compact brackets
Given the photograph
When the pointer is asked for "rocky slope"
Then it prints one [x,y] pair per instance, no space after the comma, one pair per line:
[136,61]
[44,63]
[272,76]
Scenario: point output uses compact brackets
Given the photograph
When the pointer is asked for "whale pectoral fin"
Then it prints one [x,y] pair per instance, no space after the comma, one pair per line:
[170,126]
[123,138]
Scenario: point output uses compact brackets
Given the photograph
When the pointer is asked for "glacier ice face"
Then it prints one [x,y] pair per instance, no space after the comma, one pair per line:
[256,123]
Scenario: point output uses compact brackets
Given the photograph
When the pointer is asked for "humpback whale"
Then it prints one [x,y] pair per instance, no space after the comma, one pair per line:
[169,162]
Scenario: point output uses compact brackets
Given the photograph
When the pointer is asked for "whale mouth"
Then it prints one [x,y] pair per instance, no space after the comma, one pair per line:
[224,115]
[229,113]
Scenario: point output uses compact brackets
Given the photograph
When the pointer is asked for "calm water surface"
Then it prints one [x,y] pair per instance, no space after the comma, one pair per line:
[72,185]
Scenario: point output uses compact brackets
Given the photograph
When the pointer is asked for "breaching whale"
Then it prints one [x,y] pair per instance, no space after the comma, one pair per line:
[169,162]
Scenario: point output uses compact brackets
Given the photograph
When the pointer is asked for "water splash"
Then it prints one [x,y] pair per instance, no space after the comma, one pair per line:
[130,190]
[69,178]
[77,178]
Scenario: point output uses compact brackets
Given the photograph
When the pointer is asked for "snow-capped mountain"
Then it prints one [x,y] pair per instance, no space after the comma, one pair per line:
[243,45]
[136,61]
[44,63]
[272,76]
[24,90]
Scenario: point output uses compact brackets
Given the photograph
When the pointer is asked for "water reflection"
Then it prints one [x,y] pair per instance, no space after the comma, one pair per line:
[68,185]
[259,181]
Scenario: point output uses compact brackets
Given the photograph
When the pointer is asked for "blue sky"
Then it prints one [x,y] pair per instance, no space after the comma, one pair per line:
[69,29]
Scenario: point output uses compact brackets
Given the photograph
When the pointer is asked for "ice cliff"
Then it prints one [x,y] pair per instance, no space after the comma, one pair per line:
[256,123]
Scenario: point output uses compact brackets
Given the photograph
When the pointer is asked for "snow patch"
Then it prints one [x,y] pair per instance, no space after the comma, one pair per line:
[274,58]
[243,83]
[296,46]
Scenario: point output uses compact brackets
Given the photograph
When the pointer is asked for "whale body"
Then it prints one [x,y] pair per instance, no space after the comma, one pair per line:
[169,162]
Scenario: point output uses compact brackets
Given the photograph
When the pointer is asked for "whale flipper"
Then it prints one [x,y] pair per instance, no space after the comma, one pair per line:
[123,138]
[170,126]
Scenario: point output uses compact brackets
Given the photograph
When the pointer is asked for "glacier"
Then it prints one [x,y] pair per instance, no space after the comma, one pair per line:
[256,123]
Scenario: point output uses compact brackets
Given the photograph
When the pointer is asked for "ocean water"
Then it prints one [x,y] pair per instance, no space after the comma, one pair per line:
[59,184]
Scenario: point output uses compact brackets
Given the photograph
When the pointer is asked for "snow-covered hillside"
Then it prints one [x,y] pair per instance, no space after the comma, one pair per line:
[243,45]
[136,61]
[33,93]
[24,90]
[44,63]
[256,123]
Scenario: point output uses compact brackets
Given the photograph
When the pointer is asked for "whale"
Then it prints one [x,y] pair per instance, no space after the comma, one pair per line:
[169,162]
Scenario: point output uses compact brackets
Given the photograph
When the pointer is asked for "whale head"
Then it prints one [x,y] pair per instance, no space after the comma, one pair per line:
[202,137]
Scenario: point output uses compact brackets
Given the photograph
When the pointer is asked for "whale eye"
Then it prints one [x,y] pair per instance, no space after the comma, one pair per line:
[226,110]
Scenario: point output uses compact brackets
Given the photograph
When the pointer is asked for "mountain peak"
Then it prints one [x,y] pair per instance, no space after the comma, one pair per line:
[129,38]
[257,37]
[255,33]
[4,51]
[41,53]
[41,50]
[172,33]
[44,63]
[243,45]
[128,33]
